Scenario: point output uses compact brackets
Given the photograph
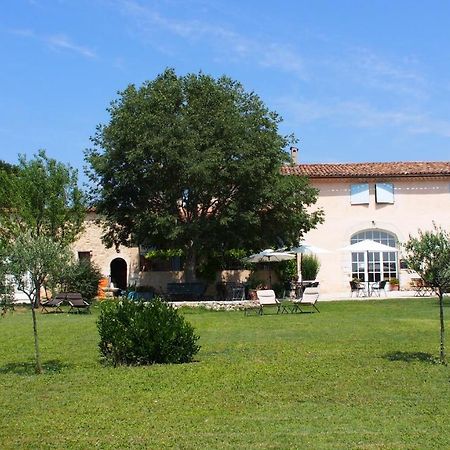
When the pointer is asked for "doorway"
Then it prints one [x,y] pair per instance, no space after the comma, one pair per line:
[118,269]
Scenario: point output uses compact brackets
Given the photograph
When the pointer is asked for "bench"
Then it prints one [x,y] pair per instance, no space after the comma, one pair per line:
[186,291]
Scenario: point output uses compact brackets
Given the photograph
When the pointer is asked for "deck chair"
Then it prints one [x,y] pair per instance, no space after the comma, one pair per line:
[54,302]
[77,303]
[266,298]
[378,287]
[309,298]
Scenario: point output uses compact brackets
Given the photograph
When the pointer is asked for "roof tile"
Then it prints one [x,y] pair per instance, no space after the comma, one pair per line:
[371,169]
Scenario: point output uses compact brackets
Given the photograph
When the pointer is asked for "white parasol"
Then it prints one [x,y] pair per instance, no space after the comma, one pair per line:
[269,256]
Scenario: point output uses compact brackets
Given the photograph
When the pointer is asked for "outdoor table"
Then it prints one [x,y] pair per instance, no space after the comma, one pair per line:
[286,306]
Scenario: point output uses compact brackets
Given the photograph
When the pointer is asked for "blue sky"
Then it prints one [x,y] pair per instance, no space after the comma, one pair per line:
[354,80]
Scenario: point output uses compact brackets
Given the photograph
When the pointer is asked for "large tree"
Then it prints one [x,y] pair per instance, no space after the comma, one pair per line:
[192,162]
[428,254]
[41,196]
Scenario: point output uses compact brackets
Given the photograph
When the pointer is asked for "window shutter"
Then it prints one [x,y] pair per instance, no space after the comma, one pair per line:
[359,194]
[384,193]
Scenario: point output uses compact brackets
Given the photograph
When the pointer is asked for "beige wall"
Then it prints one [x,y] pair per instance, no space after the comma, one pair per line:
[417,203]
[90,241]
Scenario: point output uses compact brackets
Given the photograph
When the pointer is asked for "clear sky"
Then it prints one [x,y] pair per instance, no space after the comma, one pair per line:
[354,80]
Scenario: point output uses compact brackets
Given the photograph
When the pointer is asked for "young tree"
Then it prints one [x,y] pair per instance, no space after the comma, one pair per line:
[41,212]
[41,196]
[33,260]
[429,255]
[193,163]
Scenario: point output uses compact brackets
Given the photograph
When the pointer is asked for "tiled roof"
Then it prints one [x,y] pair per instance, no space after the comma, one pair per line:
[368,170]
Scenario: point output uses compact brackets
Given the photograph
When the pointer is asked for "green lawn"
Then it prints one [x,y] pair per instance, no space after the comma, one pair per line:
[357,375]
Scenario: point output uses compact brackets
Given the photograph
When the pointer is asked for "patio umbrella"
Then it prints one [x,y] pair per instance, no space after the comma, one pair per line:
[303,248]
[367,245]
[269,256]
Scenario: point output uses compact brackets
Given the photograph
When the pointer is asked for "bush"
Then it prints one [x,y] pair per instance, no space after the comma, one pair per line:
[138,333]
[310,267]
[83,277]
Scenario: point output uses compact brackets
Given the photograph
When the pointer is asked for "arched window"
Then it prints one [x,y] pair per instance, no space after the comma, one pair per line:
[374,266]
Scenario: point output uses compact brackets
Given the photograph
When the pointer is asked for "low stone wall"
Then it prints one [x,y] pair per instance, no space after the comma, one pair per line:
[213,305]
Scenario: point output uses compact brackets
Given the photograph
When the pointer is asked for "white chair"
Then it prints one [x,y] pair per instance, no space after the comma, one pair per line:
[309,298]
[265,298]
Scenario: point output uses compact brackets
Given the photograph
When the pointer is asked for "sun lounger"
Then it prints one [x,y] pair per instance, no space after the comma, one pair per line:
[308,299]
[265,298]
[54,303]
[77,303]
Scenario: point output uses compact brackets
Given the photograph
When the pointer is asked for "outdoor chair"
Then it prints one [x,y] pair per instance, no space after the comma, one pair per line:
[238,293]
[77,303]
[309,299]
[356,288]
[55,303]
[378,287]
[264,298]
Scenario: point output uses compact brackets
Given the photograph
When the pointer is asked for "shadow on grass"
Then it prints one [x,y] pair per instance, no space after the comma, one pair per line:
[27,368]
[411,357]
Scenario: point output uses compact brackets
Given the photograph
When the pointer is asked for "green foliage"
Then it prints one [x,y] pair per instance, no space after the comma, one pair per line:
[41,196]
[82,277]
[286,270]
[310,267]
[33,260]
[194,163]
[253,282]
[428,254]
[137,333]
[163,253]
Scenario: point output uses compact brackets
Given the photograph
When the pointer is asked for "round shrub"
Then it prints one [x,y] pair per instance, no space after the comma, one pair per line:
[138,333]
[82,277]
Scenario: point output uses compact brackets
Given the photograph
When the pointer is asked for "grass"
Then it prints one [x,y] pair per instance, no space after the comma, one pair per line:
[357,375]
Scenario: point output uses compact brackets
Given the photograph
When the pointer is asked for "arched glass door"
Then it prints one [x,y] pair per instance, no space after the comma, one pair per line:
[374,266]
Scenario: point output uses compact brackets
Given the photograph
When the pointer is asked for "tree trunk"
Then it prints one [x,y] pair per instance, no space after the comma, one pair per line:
[38,367]
[441,319]
[190,264]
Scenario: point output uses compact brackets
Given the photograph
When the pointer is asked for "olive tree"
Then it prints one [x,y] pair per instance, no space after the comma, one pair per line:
[41,196]
[33,260]
[428,254]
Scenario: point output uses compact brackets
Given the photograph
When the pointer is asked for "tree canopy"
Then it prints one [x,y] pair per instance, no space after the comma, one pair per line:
[193,162]
[41,196]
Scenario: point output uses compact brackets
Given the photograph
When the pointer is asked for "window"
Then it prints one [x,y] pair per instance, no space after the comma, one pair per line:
[84,257]
[359,194]
[384,193]
[374,266]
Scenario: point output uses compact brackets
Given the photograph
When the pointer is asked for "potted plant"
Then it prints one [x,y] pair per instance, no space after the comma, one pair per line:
[394,284]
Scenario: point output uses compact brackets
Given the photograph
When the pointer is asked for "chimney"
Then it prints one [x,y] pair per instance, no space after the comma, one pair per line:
[294,155]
